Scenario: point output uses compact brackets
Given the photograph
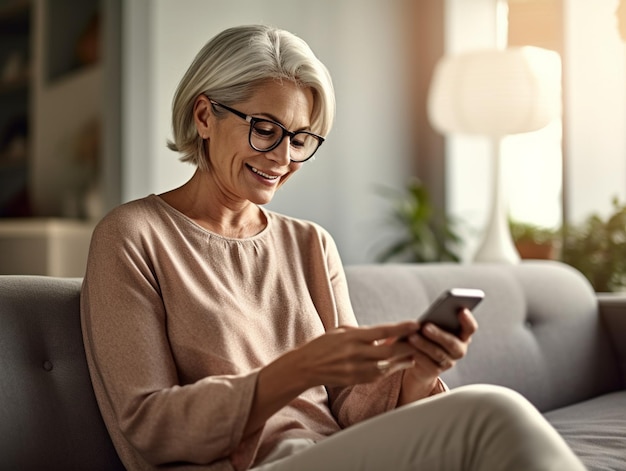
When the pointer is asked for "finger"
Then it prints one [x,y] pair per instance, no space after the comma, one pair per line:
[389,351]
[469,325]
[429,362]
[440,346]
[383,331]
[452,346]
[438,335]
[362,343]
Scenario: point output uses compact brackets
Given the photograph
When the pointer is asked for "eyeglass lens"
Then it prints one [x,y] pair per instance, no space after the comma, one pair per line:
[265,135]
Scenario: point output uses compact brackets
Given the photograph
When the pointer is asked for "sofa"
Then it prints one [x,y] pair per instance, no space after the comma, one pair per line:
[543,332]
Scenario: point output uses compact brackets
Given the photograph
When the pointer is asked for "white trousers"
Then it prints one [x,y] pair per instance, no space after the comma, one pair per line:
[480,427]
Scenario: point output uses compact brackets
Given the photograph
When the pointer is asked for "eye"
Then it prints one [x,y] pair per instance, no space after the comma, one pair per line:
[266,129]
[298,141]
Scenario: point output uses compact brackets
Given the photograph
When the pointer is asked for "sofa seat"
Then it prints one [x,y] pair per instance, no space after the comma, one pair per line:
[595,429]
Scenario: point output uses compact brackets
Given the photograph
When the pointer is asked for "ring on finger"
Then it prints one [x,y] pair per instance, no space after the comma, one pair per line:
[383,365]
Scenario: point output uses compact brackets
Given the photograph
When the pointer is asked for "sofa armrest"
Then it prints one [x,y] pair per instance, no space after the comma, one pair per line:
[612,308]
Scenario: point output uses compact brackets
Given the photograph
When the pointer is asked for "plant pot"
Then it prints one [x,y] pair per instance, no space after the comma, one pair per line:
[531,250]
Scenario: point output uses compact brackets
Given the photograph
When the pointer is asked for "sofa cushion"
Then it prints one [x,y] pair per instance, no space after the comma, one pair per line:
[539,329]
[49,418]
[595,430]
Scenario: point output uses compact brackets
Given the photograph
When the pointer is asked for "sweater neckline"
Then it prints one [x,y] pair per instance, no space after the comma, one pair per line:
[190,222]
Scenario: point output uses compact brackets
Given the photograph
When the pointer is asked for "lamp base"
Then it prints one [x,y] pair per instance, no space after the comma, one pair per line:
[497,245]
[497,248]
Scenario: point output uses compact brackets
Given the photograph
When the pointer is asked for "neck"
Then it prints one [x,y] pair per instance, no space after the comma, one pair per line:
[201,200]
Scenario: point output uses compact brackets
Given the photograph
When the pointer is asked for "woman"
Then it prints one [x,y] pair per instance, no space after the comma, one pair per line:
[220,335]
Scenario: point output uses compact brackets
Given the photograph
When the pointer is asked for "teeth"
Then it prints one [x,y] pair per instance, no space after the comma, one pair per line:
[264,175]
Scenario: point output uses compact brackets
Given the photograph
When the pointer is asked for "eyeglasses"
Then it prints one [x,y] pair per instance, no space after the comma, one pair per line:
[266,135]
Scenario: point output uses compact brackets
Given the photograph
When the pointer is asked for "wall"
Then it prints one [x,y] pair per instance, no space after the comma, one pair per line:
[359,42]
[596,99]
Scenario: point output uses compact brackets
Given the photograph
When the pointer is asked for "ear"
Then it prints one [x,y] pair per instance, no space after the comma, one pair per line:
[202,114]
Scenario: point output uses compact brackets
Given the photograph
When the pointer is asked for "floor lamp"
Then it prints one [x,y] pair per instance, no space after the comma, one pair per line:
[495,93]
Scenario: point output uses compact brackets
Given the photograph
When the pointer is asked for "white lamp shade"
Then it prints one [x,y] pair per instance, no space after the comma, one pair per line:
[496,92]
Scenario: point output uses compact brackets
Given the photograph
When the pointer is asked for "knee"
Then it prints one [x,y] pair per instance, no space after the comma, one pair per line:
[496,402]
[490,394]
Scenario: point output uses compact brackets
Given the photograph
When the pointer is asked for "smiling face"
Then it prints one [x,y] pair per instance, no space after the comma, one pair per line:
[238,171]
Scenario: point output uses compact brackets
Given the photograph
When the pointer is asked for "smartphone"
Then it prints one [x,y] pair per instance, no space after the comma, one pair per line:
[444,311]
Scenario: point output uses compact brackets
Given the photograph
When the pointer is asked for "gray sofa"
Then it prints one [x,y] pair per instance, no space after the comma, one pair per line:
[543,332]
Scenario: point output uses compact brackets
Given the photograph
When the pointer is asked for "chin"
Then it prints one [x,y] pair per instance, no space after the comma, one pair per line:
[261,199]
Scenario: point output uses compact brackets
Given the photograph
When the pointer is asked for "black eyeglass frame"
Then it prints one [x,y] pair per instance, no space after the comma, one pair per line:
[252,120]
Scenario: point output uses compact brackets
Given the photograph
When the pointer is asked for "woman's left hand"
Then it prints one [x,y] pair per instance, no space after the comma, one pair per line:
[435,351]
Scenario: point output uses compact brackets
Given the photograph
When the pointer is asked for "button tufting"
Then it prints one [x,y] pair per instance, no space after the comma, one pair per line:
[47,365]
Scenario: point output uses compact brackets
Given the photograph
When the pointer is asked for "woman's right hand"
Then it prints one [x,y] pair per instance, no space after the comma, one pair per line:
[351,355]
[341,357]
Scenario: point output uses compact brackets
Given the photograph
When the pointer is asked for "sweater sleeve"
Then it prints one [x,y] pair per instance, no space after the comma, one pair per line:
[124,322]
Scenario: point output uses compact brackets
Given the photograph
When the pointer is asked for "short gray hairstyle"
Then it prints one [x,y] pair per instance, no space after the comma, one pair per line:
[229,69]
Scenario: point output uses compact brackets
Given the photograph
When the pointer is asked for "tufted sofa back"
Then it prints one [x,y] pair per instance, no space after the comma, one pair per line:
[539,328]
[49,418]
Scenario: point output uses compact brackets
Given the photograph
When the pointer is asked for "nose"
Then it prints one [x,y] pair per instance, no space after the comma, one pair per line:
[280,153]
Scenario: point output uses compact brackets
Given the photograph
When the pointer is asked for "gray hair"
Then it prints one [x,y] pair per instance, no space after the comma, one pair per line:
[229,69]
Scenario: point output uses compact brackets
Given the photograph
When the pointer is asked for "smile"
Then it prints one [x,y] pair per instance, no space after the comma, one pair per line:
[262,174]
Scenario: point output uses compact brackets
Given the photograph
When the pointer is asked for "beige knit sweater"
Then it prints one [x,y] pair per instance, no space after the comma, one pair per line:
[177,322]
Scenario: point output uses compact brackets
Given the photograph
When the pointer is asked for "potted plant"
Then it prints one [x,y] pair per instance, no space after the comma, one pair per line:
[533,241]
[425,235]
[597,248]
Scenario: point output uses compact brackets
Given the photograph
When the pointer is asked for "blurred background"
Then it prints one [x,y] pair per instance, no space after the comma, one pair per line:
[86,89]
